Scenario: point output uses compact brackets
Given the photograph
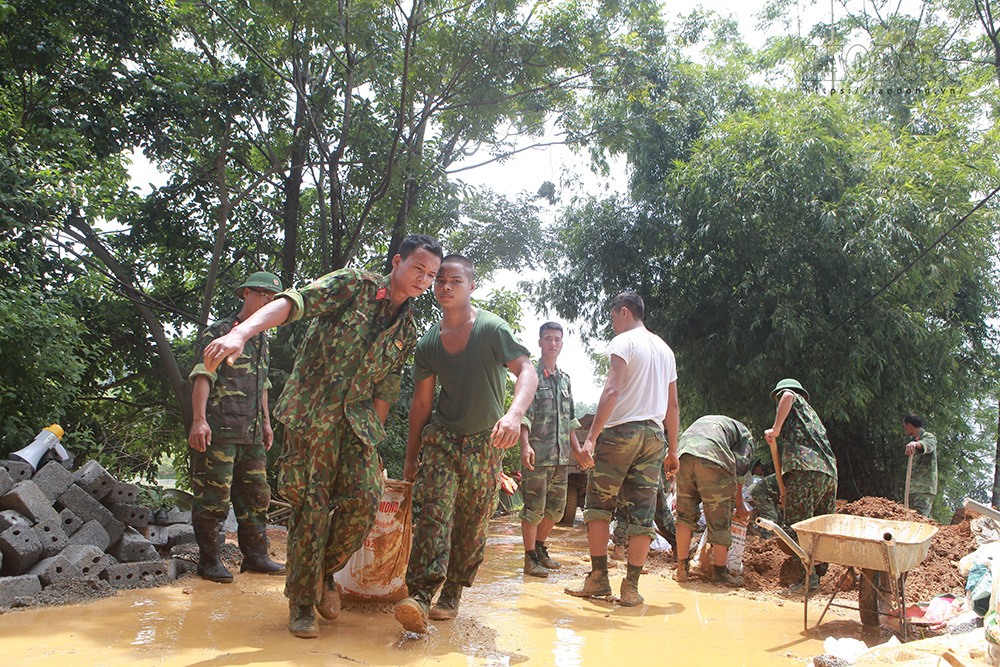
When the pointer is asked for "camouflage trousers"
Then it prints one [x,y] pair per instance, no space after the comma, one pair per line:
[700,481]
[544,492]
[663,519]
[333,482]
[627,459]
[239,467]
[765,496]
[456,488]
[922,502]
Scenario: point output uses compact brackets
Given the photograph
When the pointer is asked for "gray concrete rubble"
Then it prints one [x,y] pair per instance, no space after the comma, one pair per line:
[58,526]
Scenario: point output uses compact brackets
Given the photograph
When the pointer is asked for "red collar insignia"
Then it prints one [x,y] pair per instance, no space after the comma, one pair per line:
[380,294]
[545,373]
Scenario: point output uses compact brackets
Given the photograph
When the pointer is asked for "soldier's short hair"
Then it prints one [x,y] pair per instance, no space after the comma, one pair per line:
[464,262]
[549,326]
[632,301]
[913,420]
[415,242]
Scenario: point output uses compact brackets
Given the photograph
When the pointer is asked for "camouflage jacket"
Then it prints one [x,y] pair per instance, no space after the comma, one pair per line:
[234,408]
[353,352]
[719,439]
[551,417]
[924,477]
[803,444]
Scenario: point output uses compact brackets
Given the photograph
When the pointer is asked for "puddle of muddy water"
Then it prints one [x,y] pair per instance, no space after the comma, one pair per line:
[505,619]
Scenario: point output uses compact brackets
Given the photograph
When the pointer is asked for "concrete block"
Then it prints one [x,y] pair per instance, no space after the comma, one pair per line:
[52,536]
[94,479]
[6,481]
[180,533]
[122,493]
[29,500]
[25,585]
[133,548]
[178,516]
[70,522]
[55,569]
[53,480]
[90,560]
[93,533]
[136,516]
[115,529]
[128,575]
[21,549]
[157,535]
[10,518]
[84,505]
[18,470]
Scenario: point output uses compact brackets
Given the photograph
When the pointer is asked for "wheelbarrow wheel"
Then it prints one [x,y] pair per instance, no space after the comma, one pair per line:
[868,594]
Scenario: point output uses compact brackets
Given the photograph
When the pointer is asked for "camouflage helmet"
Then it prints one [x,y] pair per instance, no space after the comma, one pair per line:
[789,383]
[261,280]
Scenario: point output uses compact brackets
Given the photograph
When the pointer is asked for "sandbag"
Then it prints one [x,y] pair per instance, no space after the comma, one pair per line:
[377,571]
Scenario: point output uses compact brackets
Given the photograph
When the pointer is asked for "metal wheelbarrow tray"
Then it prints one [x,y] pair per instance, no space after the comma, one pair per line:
[872,545]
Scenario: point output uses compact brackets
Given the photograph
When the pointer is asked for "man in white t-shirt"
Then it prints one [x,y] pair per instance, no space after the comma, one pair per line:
[625,445]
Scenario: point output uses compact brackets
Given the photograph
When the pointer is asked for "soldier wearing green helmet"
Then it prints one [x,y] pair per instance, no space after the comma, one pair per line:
[805,467]
[229,438]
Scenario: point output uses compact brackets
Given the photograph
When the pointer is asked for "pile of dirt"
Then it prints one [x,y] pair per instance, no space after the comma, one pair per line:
[767,568]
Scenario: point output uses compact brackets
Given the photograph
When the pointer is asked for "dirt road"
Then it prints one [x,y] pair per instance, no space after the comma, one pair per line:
[506,619]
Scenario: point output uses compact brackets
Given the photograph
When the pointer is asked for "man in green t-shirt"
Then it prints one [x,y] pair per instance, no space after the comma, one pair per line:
[458,439]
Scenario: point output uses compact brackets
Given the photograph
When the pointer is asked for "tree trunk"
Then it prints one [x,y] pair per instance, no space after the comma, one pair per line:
[221,229]
[293,182]
[995,500]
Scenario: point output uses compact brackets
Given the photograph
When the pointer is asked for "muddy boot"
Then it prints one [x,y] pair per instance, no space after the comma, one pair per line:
[723,576]
[630,595]
[799,589]
[206,533]
[253,545]
[594,586]
[446,607]
[329,604]
[619,552]
[544,559]
[412,614]
[681,573]
[532,567]
[301,621]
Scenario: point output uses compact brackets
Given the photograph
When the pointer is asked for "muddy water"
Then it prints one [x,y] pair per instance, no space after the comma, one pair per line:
[506,619]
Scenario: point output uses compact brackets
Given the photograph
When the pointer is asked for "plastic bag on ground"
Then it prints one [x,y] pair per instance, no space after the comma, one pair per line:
[377,571]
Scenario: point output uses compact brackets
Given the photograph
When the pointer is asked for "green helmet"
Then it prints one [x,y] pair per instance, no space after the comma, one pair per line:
[261,280]
[789,383]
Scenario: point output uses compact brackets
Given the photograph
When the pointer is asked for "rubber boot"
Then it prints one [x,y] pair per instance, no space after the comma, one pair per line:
[594,586]
[681,573]
[630,595]
[301,621]
[799,588]
[412,614]
[723,576]
[532,567]
[253,545]
[446,607]
[206,533]
[329,604]
[545,559]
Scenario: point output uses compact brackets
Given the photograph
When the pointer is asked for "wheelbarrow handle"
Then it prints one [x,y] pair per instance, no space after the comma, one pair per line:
[767,524]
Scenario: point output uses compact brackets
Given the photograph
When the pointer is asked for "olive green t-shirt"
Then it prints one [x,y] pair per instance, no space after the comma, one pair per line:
[473,382]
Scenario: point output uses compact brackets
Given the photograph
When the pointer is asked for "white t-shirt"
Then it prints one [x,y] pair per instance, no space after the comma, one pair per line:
[650,368]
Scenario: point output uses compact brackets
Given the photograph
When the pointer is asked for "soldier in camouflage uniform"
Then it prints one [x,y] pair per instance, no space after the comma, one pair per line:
[346,375]
[714,456]
[805,468]
[765,496]
[548,439]
[229,437]
[922,446]
[459,437]
[625,445]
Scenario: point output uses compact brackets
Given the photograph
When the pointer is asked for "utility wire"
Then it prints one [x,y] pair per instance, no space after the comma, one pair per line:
[899,274]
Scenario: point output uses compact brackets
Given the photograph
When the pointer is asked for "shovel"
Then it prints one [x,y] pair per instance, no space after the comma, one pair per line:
[909,471]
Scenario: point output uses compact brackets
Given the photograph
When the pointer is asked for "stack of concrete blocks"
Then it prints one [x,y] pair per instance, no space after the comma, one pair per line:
[57,526]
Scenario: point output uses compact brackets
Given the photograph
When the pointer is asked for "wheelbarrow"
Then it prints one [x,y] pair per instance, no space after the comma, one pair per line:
[883,550]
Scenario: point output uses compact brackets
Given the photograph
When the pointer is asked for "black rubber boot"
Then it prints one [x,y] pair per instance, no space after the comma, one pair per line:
[206,533]
[253,545]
